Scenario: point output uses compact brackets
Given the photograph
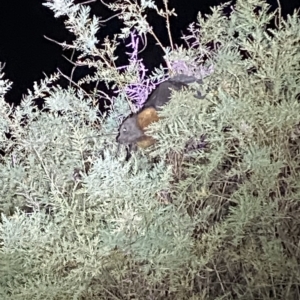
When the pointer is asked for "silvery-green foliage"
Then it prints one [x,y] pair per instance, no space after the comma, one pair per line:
[113,206]
[72,224]
[133,15]
[79,221]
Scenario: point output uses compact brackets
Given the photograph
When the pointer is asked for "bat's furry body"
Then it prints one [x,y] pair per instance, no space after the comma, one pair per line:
[133,128]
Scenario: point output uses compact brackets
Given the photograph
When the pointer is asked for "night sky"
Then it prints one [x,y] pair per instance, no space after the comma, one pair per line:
[28,54]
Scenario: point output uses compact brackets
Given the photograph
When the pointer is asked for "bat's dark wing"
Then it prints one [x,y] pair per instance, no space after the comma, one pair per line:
[185,79]
[161,95]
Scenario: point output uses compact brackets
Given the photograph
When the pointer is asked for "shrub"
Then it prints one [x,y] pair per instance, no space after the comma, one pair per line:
[210,212]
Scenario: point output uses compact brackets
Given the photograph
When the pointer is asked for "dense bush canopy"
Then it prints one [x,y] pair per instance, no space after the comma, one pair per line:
[211,211]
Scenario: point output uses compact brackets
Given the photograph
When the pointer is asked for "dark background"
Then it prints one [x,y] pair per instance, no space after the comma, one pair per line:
[28,54]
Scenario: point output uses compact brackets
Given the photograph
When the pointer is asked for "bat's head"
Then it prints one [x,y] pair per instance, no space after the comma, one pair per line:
[129,131]
[133,128]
